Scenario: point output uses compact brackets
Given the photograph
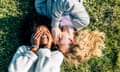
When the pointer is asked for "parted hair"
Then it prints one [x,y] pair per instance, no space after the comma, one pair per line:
[88,44]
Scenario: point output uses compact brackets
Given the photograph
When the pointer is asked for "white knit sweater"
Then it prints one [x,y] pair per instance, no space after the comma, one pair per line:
[25,60]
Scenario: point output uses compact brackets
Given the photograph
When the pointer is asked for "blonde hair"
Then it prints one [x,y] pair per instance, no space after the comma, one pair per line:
[89,44]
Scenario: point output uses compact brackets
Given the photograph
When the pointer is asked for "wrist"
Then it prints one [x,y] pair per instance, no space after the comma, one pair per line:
[55,23]
[34,49]
[35,46]
[49,46]
[55,27]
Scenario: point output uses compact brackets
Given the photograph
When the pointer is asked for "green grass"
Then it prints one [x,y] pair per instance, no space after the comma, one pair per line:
[105,16]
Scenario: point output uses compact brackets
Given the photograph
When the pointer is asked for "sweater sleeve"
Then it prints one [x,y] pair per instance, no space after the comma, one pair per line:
[44,55]
[22,60]
[56,61]
[79,15]
[49,61]
[57,12]
[75,9]
[60,7]
[40,6]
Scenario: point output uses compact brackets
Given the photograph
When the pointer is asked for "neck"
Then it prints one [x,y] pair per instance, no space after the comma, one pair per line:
[43,46]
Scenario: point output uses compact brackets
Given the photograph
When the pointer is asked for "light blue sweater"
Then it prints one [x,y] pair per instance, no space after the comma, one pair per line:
[55,9]
[25,60]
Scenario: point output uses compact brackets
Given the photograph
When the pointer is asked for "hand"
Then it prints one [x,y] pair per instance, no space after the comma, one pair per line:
[35,39]
[50,39]
[71,32]
[56,34]
[34,49]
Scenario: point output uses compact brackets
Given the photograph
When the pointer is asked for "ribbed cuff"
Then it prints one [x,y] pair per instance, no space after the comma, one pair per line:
[55,23]
[44,52]
[31,55]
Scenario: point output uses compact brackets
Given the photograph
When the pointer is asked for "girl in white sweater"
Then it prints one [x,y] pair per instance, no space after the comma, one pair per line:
[38,57]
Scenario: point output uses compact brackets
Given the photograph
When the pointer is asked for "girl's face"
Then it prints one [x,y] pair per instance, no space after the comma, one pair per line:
[45,34]
[65,39]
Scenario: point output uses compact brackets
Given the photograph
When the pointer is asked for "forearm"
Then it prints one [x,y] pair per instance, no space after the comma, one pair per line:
[34,49]
[44,55]
[57,12]
[57,59]
[79,16]
[39,6]
[22,60]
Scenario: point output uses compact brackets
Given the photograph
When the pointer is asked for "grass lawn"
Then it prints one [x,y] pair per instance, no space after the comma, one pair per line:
[105,16]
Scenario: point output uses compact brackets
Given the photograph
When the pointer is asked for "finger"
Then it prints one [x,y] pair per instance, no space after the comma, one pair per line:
[32,37]
[60,35]
[55,33]
[37,35]
[34,34]
[56,38]
[49,36]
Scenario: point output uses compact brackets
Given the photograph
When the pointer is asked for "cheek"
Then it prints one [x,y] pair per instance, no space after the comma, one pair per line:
[65,41]
[64,48]
[45,41]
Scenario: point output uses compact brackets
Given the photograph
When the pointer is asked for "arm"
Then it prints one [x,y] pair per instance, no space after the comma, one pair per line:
[76,11]
[59,7]
[79,15]
[56,60]
[44,55]
[40,6]
[22,60]
[49,61]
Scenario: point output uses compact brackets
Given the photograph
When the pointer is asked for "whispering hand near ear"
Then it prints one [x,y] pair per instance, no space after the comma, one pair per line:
[56,33]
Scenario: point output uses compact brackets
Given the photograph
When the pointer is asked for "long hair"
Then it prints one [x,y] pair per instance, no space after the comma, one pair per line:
[89,44]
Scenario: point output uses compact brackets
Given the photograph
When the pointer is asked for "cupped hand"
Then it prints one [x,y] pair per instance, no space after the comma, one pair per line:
[56,33]
[50,39]
[35,39]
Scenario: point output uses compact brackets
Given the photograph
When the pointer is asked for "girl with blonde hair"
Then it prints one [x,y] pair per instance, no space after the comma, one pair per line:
[88,44]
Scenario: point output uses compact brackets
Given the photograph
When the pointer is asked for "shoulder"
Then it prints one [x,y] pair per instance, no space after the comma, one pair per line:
[23,48]
[57,53]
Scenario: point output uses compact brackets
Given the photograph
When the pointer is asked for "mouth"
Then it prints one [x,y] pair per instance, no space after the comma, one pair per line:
[44,37]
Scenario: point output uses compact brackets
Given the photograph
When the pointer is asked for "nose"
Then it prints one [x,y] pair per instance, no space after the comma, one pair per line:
[44,32]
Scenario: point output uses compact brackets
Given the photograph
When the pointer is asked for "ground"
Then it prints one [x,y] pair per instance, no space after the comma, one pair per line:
[105,17]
